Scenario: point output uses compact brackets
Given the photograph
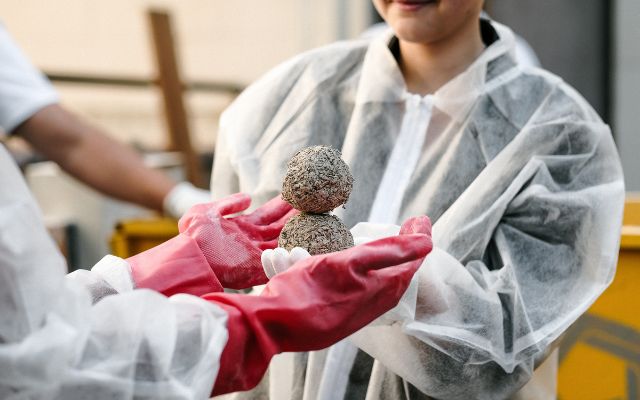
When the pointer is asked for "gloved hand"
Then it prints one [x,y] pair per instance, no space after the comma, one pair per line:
[233,246]
[421,224]
[212,250]
[315,303]
[182,197]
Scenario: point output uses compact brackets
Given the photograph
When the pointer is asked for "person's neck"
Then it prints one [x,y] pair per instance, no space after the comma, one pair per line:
[428,66]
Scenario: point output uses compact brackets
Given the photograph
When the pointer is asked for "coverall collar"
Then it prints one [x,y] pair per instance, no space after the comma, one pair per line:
[382,81]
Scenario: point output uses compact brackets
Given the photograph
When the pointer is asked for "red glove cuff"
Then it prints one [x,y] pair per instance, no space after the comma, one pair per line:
[175,266]
[249,349]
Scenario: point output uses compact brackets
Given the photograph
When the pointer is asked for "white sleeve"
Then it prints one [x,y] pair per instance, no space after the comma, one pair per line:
[23,89]
[224,177]
[516,261]
[56,343]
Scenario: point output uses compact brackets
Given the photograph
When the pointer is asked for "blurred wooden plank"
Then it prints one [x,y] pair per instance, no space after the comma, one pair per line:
[172,93]
[100,80]
[129,81]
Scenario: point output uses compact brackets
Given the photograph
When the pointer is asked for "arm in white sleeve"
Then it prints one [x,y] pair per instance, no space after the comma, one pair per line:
[23,89]
[56,343]
[224,177]
[246,132]
[111,275]
[510,272]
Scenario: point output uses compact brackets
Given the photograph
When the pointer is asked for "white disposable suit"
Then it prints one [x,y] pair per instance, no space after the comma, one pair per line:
[55,343]
[58,342]
[518,173]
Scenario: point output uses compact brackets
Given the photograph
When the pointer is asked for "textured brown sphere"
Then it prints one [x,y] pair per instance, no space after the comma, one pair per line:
[317,180]
[317,233]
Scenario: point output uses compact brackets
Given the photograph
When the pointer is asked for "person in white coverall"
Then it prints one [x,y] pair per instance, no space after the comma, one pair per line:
[29,108]
[157,325]
[519,175]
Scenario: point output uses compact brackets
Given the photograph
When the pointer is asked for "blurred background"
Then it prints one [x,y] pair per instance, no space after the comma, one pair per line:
[105,63]
[217,41]
[592,44]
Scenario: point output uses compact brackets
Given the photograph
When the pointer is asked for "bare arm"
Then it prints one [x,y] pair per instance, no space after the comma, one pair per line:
[92,157]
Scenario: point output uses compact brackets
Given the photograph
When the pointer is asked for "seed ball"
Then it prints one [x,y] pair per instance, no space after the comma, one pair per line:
[317,233]
[317,180]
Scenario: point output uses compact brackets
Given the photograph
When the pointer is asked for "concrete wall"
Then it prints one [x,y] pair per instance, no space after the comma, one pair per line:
[626,89]
[568,36]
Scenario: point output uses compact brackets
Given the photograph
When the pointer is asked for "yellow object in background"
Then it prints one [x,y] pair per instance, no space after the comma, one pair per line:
[133,236]
[600,353]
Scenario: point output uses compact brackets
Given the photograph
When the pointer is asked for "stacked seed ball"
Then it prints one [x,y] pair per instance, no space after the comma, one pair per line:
[317,181]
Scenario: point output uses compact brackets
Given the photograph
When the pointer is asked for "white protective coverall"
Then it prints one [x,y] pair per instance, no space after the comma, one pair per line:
[518,173]
[55,343]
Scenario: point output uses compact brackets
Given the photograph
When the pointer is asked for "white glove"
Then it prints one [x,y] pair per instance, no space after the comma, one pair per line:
[182,197]
[279,259]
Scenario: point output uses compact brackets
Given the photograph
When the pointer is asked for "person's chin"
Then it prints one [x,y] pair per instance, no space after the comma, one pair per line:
[411,32]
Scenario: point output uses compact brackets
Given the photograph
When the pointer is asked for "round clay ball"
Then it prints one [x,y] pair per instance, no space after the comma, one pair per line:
[317,233]
[317,180]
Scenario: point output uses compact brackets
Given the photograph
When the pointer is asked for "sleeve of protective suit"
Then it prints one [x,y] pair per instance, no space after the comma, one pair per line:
[23,89]
[515,262]
[229,159]
[56,343]
[314,304]
[224,178]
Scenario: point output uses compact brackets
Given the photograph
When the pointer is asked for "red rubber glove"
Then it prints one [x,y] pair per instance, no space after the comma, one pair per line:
[316,303]
[233,245]
[212,250]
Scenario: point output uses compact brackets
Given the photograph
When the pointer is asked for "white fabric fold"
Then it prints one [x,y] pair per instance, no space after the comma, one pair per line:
[89,335]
